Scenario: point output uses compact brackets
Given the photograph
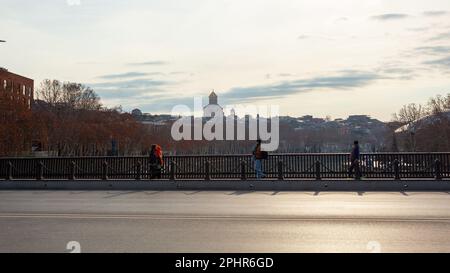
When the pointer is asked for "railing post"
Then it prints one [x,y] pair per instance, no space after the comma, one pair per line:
[437,169]
[9,175]
[207,171]
[172,170]
[318,165]
[280,170]
[358,170]
[40,172]
[396,169]
[72,171]
[243,171]
[105,171]
[139,171]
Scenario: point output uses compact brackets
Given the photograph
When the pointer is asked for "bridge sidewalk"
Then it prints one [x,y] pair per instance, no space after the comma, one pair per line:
[235,185]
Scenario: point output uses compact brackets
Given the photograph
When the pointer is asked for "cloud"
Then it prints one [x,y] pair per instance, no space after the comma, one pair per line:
[109,94]
[442,62]
[341,80]
[156,73]
[441,53]
[179,73]
[341,19]
[399,73]
[390,16]
[441,36]
[346,80]
[73,2]
[398,70]
[129,84]
[434,13]
[285,75]
[166,104]
[418,29]
[126,91]
[433,50]
[149,63]
[123,75]
[303,37]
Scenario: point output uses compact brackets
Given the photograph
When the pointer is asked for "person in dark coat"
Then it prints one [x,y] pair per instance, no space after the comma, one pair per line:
[354,160]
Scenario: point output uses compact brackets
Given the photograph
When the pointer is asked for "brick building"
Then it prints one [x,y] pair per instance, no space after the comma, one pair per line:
[15,89]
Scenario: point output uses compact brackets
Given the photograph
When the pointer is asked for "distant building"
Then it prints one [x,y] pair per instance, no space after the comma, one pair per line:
[359,119]
[136,113]
[213,106]
[307,118]
[213,99]
[15,89]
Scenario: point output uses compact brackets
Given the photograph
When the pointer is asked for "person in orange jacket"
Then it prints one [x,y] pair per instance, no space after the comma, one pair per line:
[156,162]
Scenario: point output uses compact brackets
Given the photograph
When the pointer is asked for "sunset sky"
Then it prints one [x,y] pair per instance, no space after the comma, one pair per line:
[321,57]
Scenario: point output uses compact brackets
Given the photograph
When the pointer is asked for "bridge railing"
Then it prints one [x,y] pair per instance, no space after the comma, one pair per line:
[278,166]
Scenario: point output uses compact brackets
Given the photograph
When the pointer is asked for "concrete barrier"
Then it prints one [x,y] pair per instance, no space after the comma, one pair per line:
[231,185]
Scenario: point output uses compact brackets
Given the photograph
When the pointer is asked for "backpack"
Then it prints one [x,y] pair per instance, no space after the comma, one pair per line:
[264,155]
[159,154]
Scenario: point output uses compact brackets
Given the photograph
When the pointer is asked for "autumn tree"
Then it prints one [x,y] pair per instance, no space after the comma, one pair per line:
[16,128]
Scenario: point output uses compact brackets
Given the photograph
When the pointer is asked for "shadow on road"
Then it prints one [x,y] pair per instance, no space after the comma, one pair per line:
[120,194]
[241,192]
[154,192]
[192,193]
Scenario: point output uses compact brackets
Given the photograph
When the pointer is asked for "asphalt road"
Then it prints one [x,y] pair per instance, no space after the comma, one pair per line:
[46,221]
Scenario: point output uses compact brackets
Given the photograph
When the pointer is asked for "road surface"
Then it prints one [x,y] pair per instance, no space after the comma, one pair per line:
[46,221]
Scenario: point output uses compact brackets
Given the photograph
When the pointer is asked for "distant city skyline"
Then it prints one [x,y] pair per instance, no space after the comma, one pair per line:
[352,57]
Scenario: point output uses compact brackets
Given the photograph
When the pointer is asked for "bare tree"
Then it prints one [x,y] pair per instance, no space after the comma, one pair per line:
[428,126]
[410,113]
[71,95]
[50,91]
[78,96]
[439,104]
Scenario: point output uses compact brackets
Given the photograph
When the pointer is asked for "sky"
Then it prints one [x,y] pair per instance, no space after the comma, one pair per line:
[322,57]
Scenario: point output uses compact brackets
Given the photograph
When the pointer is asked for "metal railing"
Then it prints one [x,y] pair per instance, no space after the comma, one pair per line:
[231,167]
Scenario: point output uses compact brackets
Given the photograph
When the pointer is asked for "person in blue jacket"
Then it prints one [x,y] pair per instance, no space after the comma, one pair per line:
[354,159]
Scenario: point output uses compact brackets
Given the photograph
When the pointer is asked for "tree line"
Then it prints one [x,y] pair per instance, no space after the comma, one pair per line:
[68,119]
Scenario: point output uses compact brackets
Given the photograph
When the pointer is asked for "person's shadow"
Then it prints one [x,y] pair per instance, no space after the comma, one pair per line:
[238,193]
[120,194]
